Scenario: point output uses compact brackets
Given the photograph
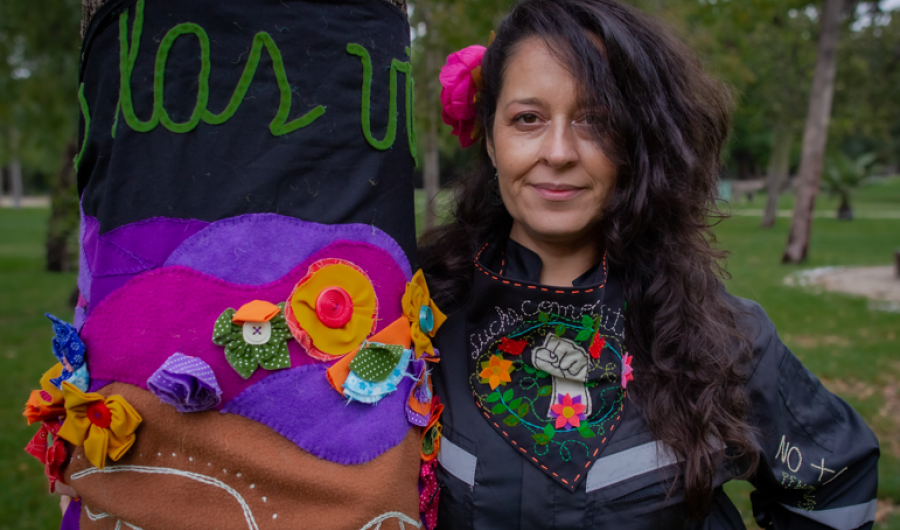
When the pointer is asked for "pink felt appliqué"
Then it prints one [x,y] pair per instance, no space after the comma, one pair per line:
[458,79]
[627,370]
[568,411]
[431,492]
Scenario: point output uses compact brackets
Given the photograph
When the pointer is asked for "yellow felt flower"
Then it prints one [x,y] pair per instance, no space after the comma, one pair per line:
[424,317]
[332,309]
[104,426]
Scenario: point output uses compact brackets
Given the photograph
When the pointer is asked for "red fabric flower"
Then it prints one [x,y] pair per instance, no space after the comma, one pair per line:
[512,347]
[597,346]
[568,412]
[54,455]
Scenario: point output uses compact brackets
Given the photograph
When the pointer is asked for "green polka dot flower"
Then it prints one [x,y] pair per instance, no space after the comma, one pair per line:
[254,335]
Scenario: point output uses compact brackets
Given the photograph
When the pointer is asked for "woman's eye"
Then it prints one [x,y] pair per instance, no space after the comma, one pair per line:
[527,118]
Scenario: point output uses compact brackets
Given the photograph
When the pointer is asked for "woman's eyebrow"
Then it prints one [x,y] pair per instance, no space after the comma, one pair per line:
[525,101]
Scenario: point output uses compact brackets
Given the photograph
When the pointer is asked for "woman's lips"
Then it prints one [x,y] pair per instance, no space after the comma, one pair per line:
[556,192]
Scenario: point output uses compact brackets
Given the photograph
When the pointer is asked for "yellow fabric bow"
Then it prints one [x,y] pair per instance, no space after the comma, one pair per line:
[104,426]
[414,299]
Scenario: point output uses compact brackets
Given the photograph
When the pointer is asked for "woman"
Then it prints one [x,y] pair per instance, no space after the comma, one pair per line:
[588,220]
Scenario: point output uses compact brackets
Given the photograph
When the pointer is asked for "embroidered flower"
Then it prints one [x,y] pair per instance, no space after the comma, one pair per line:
[568,412]
[512,347]
[332,309]
[597,346]
[103,425]
[627,370]
[424,316]
[496,371]
[69,349]
[460,78]
[187,383]
[255,335]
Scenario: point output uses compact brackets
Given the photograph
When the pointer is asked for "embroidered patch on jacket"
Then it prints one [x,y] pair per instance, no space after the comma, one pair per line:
[549,371]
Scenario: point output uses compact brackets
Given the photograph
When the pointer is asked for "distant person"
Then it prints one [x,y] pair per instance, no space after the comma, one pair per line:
[595,372]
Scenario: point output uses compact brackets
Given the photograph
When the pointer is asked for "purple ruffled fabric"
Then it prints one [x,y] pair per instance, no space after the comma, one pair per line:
[187,383]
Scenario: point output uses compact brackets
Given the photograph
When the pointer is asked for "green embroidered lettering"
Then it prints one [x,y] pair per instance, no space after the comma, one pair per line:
[409,88]
[159,73]
[128,55]
[87,125]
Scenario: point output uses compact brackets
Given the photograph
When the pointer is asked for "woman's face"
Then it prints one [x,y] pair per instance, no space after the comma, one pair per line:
[554,178]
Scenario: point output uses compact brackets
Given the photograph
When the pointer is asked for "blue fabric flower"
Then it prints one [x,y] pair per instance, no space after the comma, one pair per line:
[69,350]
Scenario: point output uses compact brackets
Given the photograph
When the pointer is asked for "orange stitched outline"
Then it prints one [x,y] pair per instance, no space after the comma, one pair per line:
[516,284]
[597,450]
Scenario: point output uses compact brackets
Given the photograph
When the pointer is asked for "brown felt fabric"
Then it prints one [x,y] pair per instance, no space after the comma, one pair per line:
[282,485]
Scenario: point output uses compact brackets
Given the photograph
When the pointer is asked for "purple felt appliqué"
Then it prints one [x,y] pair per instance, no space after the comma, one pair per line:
[72,518]
[254,249]
[115,257]
[418,368]
[187,383]
[302,406]
[134,330]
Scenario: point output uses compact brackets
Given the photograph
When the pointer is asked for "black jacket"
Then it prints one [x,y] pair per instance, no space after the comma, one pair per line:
[818,459]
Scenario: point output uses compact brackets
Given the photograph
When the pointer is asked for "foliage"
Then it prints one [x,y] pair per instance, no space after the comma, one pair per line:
[38,80]
[844,174]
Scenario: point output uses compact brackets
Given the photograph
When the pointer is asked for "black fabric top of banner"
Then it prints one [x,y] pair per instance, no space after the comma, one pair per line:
[177,155]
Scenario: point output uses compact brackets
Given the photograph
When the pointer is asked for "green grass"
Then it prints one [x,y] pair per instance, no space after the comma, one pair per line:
[852,348]
[26,293]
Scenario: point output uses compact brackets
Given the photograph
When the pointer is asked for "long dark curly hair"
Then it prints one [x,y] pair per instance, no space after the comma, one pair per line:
[664,122]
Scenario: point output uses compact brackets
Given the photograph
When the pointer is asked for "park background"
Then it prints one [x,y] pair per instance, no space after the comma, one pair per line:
[765,50]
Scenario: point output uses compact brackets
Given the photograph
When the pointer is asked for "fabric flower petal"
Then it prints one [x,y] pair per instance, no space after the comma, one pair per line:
[187,383]
[103,426]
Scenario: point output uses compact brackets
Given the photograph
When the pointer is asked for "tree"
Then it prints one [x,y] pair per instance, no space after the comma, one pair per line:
[815,135]
[842,175]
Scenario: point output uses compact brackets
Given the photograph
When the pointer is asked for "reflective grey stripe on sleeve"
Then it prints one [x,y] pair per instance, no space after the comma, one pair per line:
[630,463]
[846,518]
[457,462]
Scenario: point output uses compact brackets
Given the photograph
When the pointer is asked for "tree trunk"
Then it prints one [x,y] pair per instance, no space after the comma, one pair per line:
[431,173]
[815,135]
[15,170]
[779,168]
[62,233]
[845,213]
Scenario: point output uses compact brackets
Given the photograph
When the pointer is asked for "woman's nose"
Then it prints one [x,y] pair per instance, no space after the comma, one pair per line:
[558,148]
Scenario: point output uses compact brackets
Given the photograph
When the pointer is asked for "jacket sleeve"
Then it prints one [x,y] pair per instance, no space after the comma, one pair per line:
[818,459]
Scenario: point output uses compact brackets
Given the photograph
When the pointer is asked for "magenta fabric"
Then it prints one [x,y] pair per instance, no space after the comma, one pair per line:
[173,309]
[259,248]
[458,92]
[302,406]
[115,257]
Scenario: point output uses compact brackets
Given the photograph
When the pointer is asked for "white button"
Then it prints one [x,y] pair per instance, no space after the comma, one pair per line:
[257,332]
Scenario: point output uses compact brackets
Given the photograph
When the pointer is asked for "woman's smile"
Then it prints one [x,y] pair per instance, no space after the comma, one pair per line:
[556,192]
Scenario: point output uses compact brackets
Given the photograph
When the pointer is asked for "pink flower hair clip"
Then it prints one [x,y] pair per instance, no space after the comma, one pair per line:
[461,80]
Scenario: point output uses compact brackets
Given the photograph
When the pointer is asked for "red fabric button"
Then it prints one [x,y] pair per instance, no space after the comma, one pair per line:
[334,307]
[98,414]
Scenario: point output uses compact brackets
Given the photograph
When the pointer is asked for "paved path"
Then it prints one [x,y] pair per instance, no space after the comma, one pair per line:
[819,215]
